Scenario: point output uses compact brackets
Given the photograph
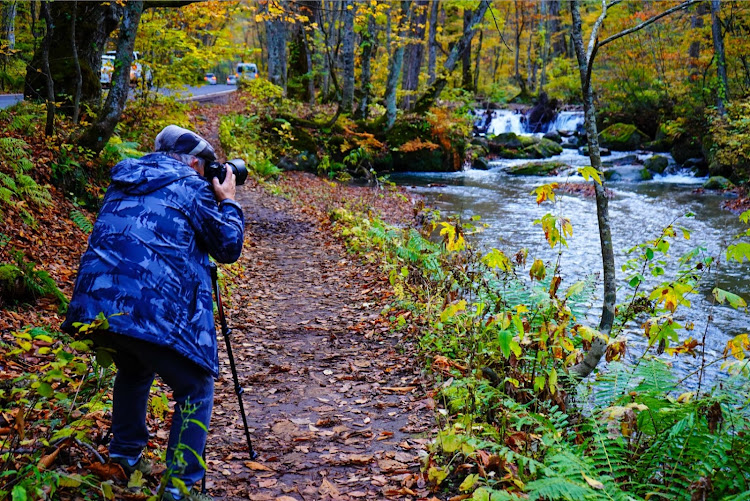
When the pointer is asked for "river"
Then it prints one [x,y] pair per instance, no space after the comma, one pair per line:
[639,210]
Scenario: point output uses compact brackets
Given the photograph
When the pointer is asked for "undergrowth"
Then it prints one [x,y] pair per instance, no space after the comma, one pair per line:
[499,334]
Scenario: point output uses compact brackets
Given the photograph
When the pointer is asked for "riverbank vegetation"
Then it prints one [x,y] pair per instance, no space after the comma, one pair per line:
[501,334]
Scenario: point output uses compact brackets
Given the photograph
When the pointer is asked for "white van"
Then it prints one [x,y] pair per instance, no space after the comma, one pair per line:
[247,71]
[136,69]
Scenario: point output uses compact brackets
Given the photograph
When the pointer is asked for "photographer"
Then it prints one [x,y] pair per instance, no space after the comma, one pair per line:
[147,270]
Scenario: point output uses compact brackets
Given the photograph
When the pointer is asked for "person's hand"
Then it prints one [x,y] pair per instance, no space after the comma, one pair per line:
[226,190]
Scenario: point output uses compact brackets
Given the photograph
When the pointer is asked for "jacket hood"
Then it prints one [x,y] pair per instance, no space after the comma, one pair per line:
[139,176]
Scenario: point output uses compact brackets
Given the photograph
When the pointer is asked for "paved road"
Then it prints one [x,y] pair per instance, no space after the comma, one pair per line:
[200,93]
[7,100]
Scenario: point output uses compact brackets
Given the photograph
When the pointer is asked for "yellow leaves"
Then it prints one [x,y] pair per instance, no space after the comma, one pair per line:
[497,259]
[589,172]
[538,271]
[453,237]
[672,295]
[556,229]
[737,346]
[734,300]
[452,310]
[545,192]
[688,346]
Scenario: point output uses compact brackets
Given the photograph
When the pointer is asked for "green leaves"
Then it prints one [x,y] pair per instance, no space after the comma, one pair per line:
[734,300]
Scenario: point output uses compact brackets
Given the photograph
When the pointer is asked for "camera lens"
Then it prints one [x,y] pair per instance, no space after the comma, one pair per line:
[239,169]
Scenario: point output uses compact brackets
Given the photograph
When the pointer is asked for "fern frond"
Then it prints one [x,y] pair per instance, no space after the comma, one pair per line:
[81,220]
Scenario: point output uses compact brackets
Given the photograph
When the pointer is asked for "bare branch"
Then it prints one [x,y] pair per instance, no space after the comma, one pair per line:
[648,21]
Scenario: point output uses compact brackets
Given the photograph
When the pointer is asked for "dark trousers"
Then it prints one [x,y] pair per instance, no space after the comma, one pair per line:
[193,392]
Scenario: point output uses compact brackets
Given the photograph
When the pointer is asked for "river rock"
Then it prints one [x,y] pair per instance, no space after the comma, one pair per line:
[697,165]
[538,168]
[718,183]
[554,136]
[603,152]
[622,137]
[685,148]
[626,160]
[513,146]
[646,174]
[480,163]
[543,112]
[657,164]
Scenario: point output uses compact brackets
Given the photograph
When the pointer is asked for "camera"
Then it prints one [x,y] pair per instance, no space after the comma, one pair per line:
[218,170]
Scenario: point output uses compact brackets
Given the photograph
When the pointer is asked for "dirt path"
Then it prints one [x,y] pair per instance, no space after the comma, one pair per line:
[336,410]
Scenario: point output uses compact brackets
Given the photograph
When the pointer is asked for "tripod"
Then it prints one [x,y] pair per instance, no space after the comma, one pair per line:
[226,331]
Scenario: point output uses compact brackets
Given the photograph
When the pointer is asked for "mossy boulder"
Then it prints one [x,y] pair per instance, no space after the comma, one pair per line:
[718,183]
[538,168]
[480,163]
[646,175]
[685,148]
[513,146]
[657,164]
[622,137]
[412,148]
[303,140]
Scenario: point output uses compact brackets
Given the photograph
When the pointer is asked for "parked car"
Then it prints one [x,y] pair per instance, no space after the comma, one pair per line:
[247,71]
[108,67]
[210,79]
[137,73]
[231,79]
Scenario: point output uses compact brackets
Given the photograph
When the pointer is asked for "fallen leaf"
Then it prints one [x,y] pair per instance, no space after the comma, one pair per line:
[254,465]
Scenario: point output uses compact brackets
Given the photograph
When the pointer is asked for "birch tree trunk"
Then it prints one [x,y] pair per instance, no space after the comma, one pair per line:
[585,57]
[722,93]
[347,86]
[598,346]
[97,135]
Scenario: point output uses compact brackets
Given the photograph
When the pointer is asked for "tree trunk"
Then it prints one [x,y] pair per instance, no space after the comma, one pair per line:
[585,63]
[694,51]
[556,33]
[598,346]
[97,135]
[49,128]
[432,43]
[414,55]
[277,58]
[76,64]
[478,60]
[368,48]
[94,23]
[545,22]
[433,92]
[466,80]
[394,66]
[7,30]
[347,86]
[300,70]
[722,93]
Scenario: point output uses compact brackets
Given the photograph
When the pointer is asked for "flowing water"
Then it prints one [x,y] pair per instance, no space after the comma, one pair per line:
[639,210]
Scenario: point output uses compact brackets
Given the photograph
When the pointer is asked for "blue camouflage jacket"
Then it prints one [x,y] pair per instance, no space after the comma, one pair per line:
[148,257]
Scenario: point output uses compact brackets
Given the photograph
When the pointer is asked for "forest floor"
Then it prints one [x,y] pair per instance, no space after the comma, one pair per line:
[336,403]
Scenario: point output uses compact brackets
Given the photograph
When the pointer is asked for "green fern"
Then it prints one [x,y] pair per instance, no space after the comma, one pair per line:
[81,220]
